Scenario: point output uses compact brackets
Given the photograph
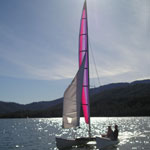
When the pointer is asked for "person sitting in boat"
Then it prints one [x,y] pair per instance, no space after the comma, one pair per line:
[109,133]
[115,133]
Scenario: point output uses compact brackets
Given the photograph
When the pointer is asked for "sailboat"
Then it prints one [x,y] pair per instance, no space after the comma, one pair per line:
[77,93]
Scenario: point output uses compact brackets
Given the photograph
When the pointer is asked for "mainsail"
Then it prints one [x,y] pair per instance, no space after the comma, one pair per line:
[83,50]
[78,90]
[72,100]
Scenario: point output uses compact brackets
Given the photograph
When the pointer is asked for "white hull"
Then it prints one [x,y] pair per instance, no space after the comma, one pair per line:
[62,143]
[102,143]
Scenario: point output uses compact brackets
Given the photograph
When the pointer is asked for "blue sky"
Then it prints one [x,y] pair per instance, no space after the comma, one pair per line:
[39,45]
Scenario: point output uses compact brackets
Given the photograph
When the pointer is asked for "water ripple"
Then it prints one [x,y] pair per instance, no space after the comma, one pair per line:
[40,133]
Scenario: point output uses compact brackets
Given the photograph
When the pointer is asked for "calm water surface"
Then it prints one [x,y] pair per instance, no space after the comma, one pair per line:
[39,134]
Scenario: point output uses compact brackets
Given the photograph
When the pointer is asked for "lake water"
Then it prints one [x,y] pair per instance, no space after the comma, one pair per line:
[39,133]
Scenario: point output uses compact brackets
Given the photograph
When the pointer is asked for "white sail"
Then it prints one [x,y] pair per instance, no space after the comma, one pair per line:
[72,100]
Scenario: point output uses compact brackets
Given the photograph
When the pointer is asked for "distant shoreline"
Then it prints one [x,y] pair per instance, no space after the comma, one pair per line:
[112,100]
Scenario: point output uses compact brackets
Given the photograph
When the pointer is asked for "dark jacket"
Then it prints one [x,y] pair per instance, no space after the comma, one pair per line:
[115,134]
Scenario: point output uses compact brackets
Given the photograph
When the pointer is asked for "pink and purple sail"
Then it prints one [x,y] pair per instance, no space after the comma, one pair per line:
[83,50]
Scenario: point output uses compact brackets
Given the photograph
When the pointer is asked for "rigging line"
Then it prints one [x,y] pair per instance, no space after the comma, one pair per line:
[93,83]
[94,63]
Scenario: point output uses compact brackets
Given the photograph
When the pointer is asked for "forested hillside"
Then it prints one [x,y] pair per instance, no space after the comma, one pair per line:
[112,100]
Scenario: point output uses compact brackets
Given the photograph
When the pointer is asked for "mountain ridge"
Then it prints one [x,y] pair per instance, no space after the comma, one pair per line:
[109,94]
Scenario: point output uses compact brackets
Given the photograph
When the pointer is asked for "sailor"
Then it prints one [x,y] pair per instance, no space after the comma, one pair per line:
[109,133]
[115,133]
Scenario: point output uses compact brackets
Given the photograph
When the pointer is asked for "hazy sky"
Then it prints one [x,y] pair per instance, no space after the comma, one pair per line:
[39,45]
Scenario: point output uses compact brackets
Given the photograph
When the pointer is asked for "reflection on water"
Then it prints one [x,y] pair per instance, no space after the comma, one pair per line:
[39,134]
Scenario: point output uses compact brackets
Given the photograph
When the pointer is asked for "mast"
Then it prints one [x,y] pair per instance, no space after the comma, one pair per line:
[88,76]
[83,50]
